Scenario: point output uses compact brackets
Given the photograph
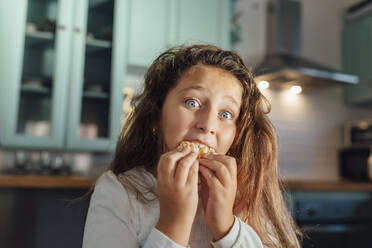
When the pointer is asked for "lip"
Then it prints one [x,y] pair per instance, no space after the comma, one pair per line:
[200,141]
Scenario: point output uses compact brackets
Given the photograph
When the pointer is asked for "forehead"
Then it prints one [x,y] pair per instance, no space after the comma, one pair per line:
[211,78]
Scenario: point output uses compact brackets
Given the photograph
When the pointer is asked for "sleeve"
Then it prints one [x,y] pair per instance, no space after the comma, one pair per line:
[241,235]
[158,239]
[108,222]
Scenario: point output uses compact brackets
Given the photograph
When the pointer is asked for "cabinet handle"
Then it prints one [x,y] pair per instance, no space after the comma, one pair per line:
[61,27]
[76,30]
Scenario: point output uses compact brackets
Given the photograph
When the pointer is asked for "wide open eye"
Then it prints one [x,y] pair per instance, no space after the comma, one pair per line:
[192,103]
[226,115]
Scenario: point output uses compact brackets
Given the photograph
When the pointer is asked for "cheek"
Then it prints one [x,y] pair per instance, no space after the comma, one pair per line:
[227,139]
[175,126]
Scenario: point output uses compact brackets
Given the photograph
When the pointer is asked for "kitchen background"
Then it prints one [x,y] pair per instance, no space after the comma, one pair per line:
[65,87]
[310,127]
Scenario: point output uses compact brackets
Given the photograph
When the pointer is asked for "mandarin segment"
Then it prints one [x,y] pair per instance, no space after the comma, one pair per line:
[201,149]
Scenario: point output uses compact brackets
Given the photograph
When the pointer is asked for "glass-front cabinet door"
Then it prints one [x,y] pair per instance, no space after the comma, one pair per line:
[97,71]
[62,73]
[35,36]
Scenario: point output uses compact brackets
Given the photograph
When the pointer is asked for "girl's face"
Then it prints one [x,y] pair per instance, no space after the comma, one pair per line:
[203,107]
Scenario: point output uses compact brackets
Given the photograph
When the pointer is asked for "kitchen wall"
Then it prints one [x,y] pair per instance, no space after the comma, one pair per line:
[310,126]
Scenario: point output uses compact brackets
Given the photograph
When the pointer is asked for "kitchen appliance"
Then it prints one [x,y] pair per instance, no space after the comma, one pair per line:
[355,159]
[358,133]
[283,64]
[356,163]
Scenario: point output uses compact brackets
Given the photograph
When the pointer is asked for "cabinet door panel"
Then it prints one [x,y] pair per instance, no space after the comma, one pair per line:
[149,30]
[36,78]
[97,74]
[204,21]
[358,60]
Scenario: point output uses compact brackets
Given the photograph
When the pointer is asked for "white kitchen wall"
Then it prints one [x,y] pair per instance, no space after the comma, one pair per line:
[309,128]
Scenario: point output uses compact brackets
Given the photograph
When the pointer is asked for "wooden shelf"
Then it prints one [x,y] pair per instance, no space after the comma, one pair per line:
[35,181]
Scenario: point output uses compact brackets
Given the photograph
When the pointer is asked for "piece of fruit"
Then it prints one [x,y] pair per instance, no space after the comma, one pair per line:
[201,149]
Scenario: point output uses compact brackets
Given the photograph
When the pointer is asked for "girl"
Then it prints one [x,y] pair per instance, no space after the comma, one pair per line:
[159,194]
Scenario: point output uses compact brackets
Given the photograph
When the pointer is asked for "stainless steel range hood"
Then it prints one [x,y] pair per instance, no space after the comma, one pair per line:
[283,64]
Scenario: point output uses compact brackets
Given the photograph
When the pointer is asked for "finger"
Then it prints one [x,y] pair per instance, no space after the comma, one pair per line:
[221,171]
[167,162]
[209,176]
[193,176]
[183,167]
[229,162]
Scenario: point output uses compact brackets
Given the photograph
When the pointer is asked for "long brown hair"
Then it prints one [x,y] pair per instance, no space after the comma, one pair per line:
[259,200]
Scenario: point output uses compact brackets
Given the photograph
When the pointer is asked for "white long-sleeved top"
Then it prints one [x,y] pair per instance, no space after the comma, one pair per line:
[117,219]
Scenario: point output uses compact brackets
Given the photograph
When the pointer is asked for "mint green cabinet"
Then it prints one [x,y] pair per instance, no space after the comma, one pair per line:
[33,77]
[204,21]
[157,25]
[150,29]
[97,74]
[62,77]
[358,60]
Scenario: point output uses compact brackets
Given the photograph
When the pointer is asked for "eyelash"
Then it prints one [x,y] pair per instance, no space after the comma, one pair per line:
[191,99]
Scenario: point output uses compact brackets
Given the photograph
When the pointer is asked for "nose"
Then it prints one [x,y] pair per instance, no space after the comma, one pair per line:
[207,121]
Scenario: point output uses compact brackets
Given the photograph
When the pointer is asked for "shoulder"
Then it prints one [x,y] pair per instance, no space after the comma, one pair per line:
[113,192]
[108,191]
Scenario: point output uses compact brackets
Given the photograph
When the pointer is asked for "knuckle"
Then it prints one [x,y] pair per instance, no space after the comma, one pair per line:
[215,183]
[231,160]
[182,164]
[220,167]
[168,159]
[163,157]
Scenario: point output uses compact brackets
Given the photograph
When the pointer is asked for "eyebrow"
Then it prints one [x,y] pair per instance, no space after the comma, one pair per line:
[197,87]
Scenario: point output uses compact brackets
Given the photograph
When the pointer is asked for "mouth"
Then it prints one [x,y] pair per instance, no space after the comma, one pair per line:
[197,146]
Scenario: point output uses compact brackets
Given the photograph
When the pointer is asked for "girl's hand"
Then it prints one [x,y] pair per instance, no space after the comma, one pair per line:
[177,174]
[219,183]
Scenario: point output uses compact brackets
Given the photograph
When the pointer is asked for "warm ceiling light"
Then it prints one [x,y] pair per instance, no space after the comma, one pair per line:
[263,85]
[295,89]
